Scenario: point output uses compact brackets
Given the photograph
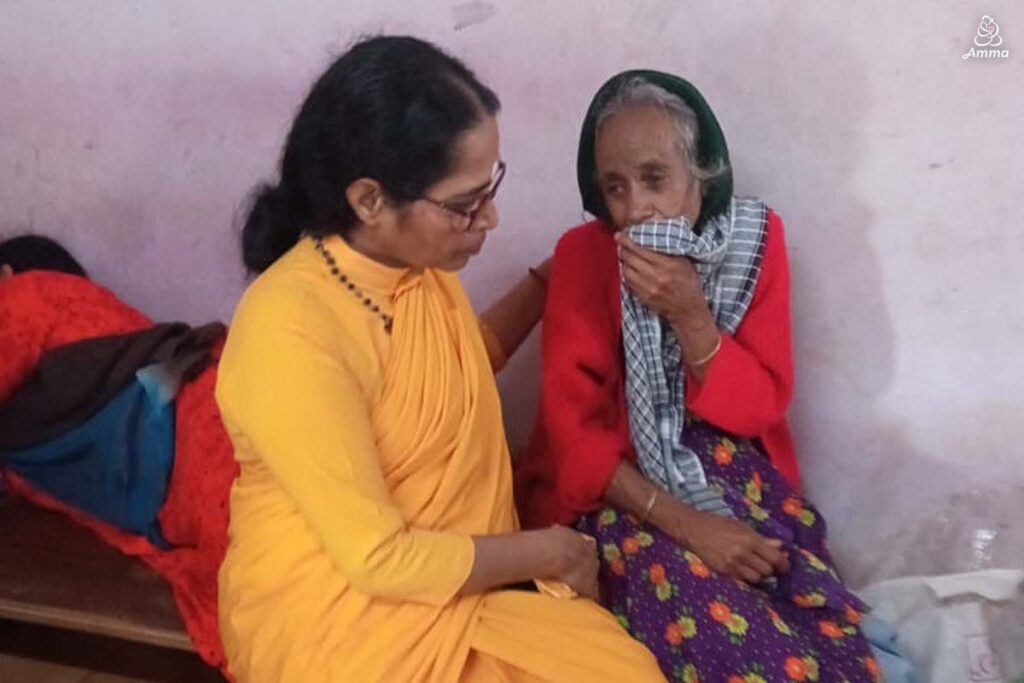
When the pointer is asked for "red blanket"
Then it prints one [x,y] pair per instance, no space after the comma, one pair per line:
[40,310]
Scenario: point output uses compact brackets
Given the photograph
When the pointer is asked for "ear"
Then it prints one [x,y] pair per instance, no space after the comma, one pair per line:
[6,272]
[367,199]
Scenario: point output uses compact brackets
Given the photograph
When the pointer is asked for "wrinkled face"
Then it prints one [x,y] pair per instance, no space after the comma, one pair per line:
[435,232]
[641,170]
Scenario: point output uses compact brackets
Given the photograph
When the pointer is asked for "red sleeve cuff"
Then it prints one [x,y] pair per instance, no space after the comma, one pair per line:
[582,485]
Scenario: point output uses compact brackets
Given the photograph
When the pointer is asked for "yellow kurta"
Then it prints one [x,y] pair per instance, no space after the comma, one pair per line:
[368,461]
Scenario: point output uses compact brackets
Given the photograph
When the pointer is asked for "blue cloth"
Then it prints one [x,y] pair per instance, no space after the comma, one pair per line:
[895,667]
[117,464]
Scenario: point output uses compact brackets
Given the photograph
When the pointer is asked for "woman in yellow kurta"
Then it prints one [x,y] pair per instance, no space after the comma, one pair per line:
[373,534]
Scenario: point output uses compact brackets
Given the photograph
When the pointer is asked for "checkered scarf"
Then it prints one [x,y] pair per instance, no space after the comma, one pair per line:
[727,255]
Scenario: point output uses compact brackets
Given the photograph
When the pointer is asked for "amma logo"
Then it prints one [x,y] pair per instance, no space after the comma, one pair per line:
[987,42]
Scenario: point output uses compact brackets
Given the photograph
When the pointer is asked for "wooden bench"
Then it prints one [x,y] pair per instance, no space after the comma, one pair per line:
[58,574]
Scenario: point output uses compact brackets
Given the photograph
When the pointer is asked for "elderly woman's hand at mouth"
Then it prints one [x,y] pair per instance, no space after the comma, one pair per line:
[670,286]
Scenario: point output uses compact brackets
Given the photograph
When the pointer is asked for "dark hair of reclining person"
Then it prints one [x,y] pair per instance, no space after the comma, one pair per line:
[36,252]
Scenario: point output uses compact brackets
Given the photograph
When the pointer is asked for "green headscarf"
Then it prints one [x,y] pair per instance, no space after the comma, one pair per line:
[711,147]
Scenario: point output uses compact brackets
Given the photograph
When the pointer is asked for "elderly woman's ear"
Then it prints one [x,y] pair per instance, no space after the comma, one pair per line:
[6,272]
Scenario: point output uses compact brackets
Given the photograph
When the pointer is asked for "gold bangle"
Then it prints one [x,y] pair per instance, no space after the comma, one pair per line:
[707,358]
[650,505]
[538,277]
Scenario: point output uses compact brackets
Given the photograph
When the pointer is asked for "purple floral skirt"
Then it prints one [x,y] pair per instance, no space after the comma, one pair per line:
[704,626]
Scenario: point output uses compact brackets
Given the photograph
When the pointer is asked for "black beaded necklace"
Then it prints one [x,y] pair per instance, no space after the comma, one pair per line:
[350,286]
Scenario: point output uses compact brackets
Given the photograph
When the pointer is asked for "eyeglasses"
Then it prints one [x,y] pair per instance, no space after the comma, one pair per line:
[469,210]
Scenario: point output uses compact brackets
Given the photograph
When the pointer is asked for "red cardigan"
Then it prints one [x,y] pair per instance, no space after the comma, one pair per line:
[582,430]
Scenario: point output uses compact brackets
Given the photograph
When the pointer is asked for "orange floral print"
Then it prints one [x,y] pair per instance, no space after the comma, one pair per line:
[698,568]
[720,612]
[796,669]
[809,600]
[830,629]
[872,666]
[792,506]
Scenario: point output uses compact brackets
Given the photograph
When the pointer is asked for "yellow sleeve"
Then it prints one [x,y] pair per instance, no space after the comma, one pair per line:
[286,385]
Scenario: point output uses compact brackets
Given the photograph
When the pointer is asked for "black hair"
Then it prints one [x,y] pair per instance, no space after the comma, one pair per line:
[36,252]
[391,108]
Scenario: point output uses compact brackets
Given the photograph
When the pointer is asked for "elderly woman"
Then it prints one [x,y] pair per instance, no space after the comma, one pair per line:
[373,530]
[662,429]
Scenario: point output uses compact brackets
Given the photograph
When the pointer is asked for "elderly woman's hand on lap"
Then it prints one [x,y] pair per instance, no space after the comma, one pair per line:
[728,546]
